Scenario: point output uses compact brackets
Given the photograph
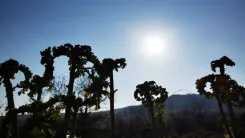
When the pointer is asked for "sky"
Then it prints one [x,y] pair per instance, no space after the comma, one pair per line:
[194,33]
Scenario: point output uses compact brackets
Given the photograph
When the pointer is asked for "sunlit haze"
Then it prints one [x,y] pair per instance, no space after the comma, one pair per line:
[166,41]
[153,45]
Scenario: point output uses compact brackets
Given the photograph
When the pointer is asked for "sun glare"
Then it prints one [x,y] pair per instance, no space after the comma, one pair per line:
[153,42]
[153,45]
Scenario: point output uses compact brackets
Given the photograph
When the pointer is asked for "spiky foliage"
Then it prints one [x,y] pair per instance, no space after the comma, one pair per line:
[105,70]
[97,89]
[7,71]
[78,57]
[226,91]
[108,65]
[44,114]
[35,87]
[151,95]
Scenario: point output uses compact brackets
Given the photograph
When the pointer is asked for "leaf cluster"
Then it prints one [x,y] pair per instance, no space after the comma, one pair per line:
[222,84]
[149,93]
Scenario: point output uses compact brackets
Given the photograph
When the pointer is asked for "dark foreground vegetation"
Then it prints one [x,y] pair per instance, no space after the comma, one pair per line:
[90,82]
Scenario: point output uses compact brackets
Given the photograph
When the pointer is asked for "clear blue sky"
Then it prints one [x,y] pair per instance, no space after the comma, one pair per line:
[202,30]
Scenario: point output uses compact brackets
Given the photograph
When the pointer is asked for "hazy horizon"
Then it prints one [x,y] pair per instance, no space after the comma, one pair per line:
[193,34]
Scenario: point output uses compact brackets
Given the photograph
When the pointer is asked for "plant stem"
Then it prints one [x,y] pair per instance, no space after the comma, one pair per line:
[112,114]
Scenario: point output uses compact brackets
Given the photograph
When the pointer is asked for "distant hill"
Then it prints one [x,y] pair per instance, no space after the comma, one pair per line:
[189,101]
[174,102]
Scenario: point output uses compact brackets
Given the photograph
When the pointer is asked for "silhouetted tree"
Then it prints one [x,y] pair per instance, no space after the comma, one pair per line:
[105,70]
[151,95]
[43,114]
[7,71]
[87,109]
[226,91]
[78,57]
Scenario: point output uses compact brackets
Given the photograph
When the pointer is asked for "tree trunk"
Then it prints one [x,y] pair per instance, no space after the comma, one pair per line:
[84,122]
[230,111]
[12,115]
[233,119]
[4,126]
[223,115]
[73,129]
[151,110]
[62,133]
[39,95]
[112,114]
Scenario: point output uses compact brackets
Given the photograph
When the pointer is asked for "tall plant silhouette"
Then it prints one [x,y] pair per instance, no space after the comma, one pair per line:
[92,97]
[41,112]
[78,57]
[226,91]
[105,70]
[86,98]
[151,95]
[7,71]
[44,114]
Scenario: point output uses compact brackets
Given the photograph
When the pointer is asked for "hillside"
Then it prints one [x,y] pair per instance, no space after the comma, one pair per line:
[174,102]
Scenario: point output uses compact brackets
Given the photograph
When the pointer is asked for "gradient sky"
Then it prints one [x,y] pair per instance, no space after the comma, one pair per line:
[200,30]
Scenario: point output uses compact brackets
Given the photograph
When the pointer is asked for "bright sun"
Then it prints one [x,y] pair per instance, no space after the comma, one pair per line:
[153,45]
